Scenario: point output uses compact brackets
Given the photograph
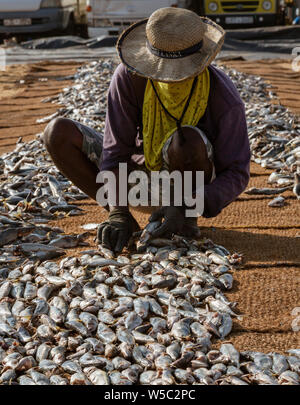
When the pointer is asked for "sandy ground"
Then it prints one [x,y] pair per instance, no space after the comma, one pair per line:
[267,286]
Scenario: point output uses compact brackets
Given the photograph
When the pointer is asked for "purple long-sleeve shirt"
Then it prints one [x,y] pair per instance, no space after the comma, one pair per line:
[224,123]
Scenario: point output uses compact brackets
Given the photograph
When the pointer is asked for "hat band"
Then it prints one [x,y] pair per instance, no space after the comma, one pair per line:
[174,54]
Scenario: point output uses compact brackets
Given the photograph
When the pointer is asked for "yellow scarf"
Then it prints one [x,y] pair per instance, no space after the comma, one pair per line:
[158,125]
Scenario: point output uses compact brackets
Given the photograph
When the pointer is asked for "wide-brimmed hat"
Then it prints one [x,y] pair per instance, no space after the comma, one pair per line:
[174,44]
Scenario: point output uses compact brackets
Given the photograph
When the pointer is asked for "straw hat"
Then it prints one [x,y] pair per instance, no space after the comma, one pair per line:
[174,44]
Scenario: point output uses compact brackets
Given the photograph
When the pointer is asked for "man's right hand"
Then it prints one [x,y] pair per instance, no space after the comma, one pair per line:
[115,233]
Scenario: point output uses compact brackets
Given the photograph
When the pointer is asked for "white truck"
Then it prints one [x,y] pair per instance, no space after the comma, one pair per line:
[35,16]
[111,17]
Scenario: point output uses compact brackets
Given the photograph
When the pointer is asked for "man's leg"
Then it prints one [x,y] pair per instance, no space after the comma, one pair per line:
[64,141]
[192,155]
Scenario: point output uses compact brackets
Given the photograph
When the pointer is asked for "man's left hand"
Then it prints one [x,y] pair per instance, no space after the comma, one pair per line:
[173,221]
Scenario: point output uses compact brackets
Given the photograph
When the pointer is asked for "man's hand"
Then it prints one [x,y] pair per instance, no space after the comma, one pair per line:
[115,233]
[173,221]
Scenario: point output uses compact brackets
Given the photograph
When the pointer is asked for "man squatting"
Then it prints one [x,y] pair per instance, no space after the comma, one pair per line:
[168,109]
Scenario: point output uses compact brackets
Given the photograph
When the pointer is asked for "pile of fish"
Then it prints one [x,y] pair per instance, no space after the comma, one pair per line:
[148,316]
[274,132]
[86,99]
[139,318]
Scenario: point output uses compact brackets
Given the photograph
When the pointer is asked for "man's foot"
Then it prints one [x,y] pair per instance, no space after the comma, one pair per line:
[190,228]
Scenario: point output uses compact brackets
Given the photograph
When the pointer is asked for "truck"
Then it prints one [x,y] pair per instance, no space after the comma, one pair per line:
[40,16]
[111,17]
[244,13]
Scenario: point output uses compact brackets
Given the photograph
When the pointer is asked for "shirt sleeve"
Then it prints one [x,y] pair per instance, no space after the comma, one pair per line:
[232,162]
[121,123]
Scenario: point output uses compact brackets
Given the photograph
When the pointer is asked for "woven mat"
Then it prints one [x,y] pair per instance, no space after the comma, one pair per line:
[267,286]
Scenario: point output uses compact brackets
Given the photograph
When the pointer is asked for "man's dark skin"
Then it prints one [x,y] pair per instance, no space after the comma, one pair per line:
[64,141]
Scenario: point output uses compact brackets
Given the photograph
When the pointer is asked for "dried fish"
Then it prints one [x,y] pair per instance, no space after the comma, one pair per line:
[277,202]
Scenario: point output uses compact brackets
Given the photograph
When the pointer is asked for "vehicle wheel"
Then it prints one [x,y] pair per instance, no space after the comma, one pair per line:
[71,28]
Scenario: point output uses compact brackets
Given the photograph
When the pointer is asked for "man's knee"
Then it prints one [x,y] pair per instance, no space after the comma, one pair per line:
[60,133]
